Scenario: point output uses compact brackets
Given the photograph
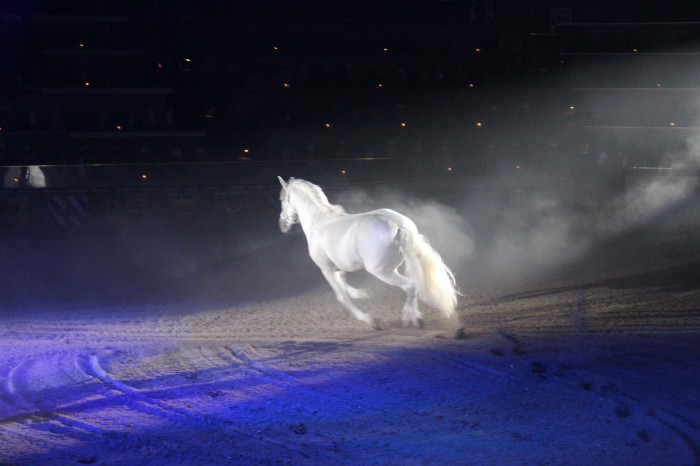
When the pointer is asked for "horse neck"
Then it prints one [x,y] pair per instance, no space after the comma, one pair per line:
[309,209]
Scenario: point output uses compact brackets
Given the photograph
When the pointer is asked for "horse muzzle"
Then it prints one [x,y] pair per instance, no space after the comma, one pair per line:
[285,225]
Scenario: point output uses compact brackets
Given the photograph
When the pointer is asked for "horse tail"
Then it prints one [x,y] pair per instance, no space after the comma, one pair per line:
[434,281]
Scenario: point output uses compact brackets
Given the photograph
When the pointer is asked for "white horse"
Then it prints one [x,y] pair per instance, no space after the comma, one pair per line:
[378,242]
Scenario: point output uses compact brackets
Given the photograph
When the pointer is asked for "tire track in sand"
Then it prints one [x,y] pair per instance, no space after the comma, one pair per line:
[141,400]
[38,408]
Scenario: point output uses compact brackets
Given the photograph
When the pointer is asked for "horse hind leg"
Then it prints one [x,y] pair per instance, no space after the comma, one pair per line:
[410,315]
[343,295]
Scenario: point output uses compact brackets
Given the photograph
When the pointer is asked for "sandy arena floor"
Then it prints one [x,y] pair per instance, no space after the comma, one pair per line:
[593,363]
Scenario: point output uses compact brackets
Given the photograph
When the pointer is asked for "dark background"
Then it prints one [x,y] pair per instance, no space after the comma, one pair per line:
[161,126]
[477,83]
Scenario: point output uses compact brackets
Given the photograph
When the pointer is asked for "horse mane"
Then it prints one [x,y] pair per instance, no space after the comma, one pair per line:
[316,195]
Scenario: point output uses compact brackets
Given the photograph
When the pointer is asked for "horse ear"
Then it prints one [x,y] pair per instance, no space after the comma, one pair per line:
[284,185]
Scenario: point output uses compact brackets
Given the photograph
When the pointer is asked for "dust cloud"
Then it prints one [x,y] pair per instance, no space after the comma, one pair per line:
[671,183]
[533,231]
[502,232]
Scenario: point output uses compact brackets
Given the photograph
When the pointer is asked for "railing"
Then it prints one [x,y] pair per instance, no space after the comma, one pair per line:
[238,174]
[217,197]
[104,199]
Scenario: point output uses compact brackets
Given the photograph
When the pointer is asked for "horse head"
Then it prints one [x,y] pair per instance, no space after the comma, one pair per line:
[288,215]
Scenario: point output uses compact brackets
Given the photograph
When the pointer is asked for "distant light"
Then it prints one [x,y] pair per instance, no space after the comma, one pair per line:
[160,66]
[144,176]
[652,168]
[449,169]
[518,167]
[87,84]
[275,49]
[635,50]
[571,107]
[380,85]
[1,129]
[386,49]
[658,85]
[403,124]
[188,60]
[672,123]
[477,50]
[119,127]
[327,125]
[81,45]
[16,180]
[343,172]
[472,85]
[479,124]
[286,85]
[246,151]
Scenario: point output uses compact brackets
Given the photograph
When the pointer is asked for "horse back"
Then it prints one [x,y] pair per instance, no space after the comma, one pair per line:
[352,242]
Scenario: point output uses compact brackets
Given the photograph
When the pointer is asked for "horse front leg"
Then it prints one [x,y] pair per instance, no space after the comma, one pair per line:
[343,293]
[354,293]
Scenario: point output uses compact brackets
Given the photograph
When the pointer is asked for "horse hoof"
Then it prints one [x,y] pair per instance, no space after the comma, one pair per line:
[417,323]
[376,324]
[359,294]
